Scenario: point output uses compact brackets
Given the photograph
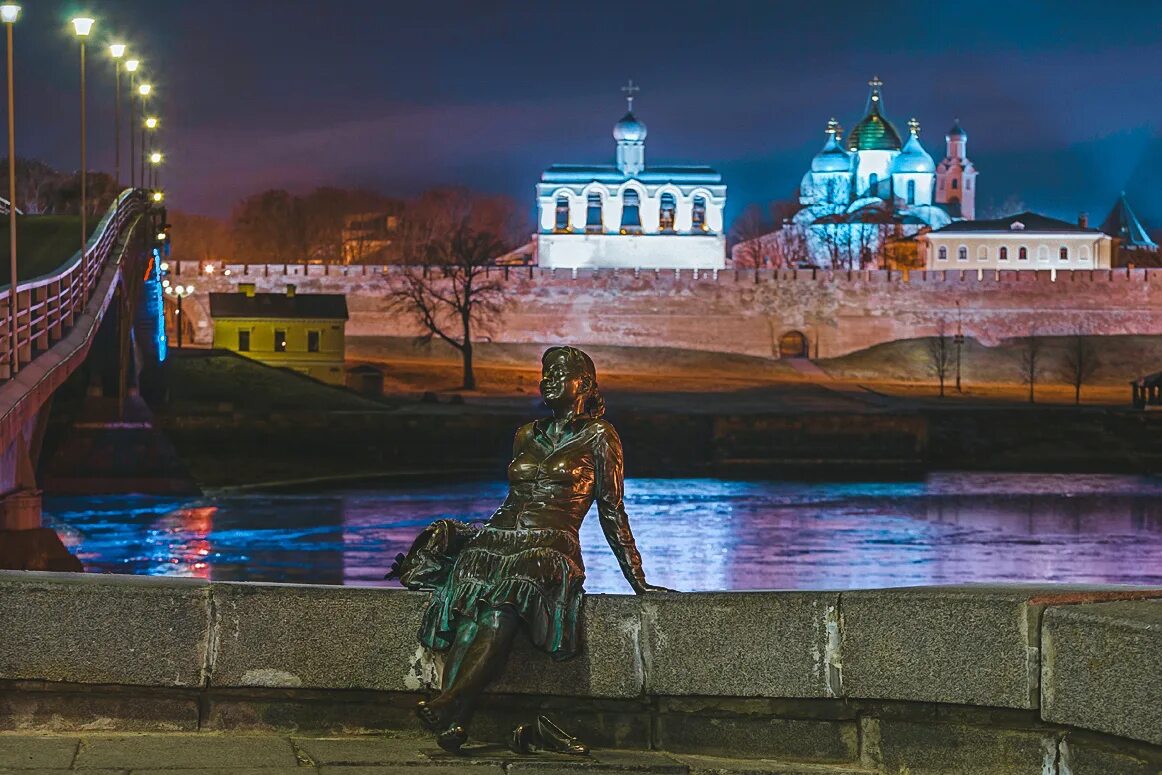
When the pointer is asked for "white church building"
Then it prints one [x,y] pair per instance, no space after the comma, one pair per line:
[629,214]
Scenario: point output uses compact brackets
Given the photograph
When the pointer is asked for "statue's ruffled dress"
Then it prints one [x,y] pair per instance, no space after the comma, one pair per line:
[528,555]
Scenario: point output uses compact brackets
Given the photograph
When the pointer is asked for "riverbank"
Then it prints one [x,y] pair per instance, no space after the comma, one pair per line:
[237,423]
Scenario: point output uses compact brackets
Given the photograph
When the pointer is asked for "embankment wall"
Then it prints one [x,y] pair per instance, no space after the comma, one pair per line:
[1036,680]
[740,311]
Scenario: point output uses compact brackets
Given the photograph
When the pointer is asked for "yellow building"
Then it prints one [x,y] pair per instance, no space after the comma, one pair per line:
[304,332]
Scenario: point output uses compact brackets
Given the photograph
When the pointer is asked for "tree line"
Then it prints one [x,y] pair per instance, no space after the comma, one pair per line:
[277,226]
[45,190]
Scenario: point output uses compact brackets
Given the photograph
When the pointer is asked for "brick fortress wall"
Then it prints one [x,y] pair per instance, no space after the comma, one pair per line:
[741,311]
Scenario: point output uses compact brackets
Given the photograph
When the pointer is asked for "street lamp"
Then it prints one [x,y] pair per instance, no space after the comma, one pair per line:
[179,292]
[155,160]
[150,125]
[82,26]
[131,66]
[117,51]
[158,196]
[143,90]
[9,13]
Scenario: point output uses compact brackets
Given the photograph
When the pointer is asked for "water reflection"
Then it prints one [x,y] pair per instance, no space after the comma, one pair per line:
[695,534]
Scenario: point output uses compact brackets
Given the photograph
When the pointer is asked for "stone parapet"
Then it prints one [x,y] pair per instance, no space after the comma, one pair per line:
[1101,668]
[1031,672]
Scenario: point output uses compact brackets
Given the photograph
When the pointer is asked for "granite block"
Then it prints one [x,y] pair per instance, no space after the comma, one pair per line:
[953,749]
[33,752]
[609,665]
[1101,666]
[103,629]
[299,636]
[204,751]
[741,644]
[759,737]
[966,645]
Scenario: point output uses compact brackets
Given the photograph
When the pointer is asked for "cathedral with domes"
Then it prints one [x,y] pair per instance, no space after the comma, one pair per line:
[873,186]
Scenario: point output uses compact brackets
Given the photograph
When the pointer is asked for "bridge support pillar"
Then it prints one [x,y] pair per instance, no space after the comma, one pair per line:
[20,510]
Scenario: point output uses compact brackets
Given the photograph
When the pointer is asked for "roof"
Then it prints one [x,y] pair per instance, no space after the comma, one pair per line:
[280,306]
[577,173]
[1123,224]
[1032,223]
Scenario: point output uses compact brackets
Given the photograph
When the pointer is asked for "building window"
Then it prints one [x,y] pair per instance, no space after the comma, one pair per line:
[968,184]
[1064,253]
[954,183]
[562,223]
[631,217]
[698,221]
[982,253]
[593,222]
[1083,253]
[962,253]
[873,181]
[911,192]
[243,341]
[667,213]
[1042,252]
[312,341]
[1023,253]
[279,341]
[942,254]
[1003,254]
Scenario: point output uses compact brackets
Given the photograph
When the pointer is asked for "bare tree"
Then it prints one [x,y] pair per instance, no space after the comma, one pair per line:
[450,286]
[748,246]
[939,351]
[1030,361]
[1079,363]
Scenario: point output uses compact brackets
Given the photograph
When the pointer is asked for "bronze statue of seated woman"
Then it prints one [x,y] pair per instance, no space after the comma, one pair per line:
[522,569]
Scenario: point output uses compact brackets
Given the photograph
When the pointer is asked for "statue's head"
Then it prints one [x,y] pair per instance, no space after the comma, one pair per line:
[568,376]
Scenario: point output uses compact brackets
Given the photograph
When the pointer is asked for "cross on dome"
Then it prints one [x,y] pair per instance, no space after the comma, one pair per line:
[914,126]
[833,127]
[629,90]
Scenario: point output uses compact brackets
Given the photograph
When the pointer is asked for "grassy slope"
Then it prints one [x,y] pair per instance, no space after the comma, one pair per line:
[203,381]
[1120,358]
[44,242]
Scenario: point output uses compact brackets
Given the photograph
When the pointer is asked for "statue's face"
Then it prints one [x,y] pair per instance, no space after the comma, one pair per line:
[560,382]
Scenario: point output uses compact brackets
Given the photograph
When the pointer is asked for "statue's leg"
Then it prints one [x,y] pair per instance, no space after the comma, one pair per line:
[477,656]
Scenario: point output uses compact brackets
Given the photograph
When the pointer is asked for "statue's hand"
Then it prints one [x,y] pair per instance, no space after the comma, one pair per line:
[396,567]
[649,589]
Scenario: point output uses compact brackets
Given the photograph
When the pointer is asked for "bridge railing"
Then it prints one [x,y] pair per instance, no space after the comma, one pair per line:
[49,305]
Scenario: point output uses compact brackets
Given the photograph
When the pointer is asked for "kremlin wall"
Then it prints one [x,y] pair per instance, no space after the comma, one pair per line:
[737,311]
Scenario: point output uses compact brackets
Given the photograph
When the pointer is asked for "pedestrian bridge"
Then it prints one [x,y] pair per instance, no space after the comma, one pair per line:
[51,329]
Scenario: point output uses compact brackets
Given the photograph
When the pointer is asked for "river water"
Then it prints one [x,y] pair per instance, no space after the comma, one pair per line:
[694,534]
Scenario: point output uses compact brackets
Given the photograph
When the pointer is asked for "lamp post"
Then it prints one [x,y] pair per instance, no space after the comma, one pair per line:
[131,66]
[179,292]
[117,51]
[155,160]
[9,14]
[143,90]
[151,127]
[83,25]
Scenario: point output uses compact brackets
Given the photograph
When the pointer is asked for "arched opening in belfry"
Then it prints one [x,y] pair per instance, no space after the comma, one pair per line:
[631,217]
[793,344]
[562,222]
[593,215]
[911,192]
[698,214]
[667,213]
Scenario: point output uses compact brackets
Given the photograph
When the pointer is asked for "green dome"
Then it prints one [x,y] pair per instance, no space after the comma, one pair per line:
[874,133]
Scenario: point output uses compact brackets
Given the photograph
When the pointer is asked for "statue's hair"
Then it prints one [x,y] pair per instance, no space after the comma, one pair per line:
[594,406]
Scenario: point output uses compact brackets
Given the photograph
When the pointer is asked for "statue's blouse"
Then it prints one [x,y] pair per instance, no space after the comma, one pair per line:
[552,484]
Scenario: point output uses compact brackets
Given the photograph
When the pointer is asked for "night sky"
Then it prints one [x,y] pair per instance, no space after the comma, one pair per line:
[1062,101]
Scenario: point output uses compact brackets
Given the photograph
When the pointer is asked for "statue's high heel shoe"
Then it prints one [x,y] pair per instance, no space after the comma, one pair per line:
[523,738]
[551,737]
[434,718]
[452,738]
